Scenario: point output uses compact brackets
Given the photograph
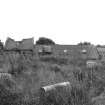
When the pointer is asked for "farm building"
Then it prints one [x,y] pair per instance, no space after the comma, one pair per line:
[43,49]
[75,51]
[25,45]
[57,50]
[91,52]
[69,51]
[91,64]
[101,52]
[66,50]
[11,44]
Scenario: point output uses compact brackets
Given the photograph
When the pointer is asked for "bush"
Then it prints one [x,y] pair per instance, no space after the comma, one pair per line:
[55,68]
[45,41]
[8,96]
[20,64]
[55,60]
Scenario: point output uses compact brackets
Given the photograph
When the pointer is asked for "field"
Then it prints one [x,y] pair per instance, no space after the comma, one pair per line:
[31,72]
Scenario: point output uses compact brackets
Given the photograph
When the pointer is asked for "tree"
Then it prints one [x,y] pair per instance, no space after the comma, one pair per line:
[84,43]
[44,41]
[87,43]
[1,45]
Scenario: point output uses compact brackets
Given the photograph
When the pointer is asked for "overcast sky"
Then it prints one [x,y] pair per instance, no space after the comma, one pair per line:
[64,21]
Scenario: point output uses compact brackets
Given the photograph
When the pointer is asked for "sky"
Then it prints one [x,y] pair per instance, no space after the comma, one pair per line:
[63,21]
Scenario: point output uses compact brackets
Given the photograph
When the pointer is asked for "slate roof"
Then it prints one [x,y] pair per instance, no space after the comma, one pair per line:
[92,52]
[24,44]
[10,44]
[77,51]
[101,51]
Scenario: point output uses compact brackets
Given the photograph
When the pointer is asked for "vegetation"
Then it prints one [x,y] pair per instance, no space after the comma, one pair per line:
[30,73]
[67,96]
[84,43]
[55,60]
[1,45]
[45,41]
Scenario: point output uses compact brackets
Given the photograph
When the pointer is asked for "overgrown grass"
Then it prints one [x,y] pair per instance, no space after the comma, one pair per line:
[55,60]
[32,73]
[65,96]
[19,64]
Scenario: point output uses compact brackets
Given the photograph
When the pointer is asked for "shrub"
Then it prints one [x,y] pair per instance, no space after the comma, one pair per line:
[55,68]
[20,64]
[45,41]
[7,94]
[55,60]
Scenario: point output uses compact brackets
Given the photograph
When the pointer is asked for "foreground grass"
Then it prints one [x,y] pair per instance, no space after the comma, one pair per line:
[30,73]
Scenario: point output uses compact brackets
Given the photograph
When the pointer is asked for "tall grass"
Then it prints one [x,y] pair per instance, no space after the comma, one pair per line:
[64,96]
[8,93]
[55,60]
[20,63]
[76,95]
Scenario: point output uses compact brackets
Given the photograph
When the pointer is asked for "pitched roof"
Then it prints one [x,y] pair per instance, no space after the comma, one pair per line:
[24,44]
[93,53]
[10,44]
[101,51]
[77,50]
